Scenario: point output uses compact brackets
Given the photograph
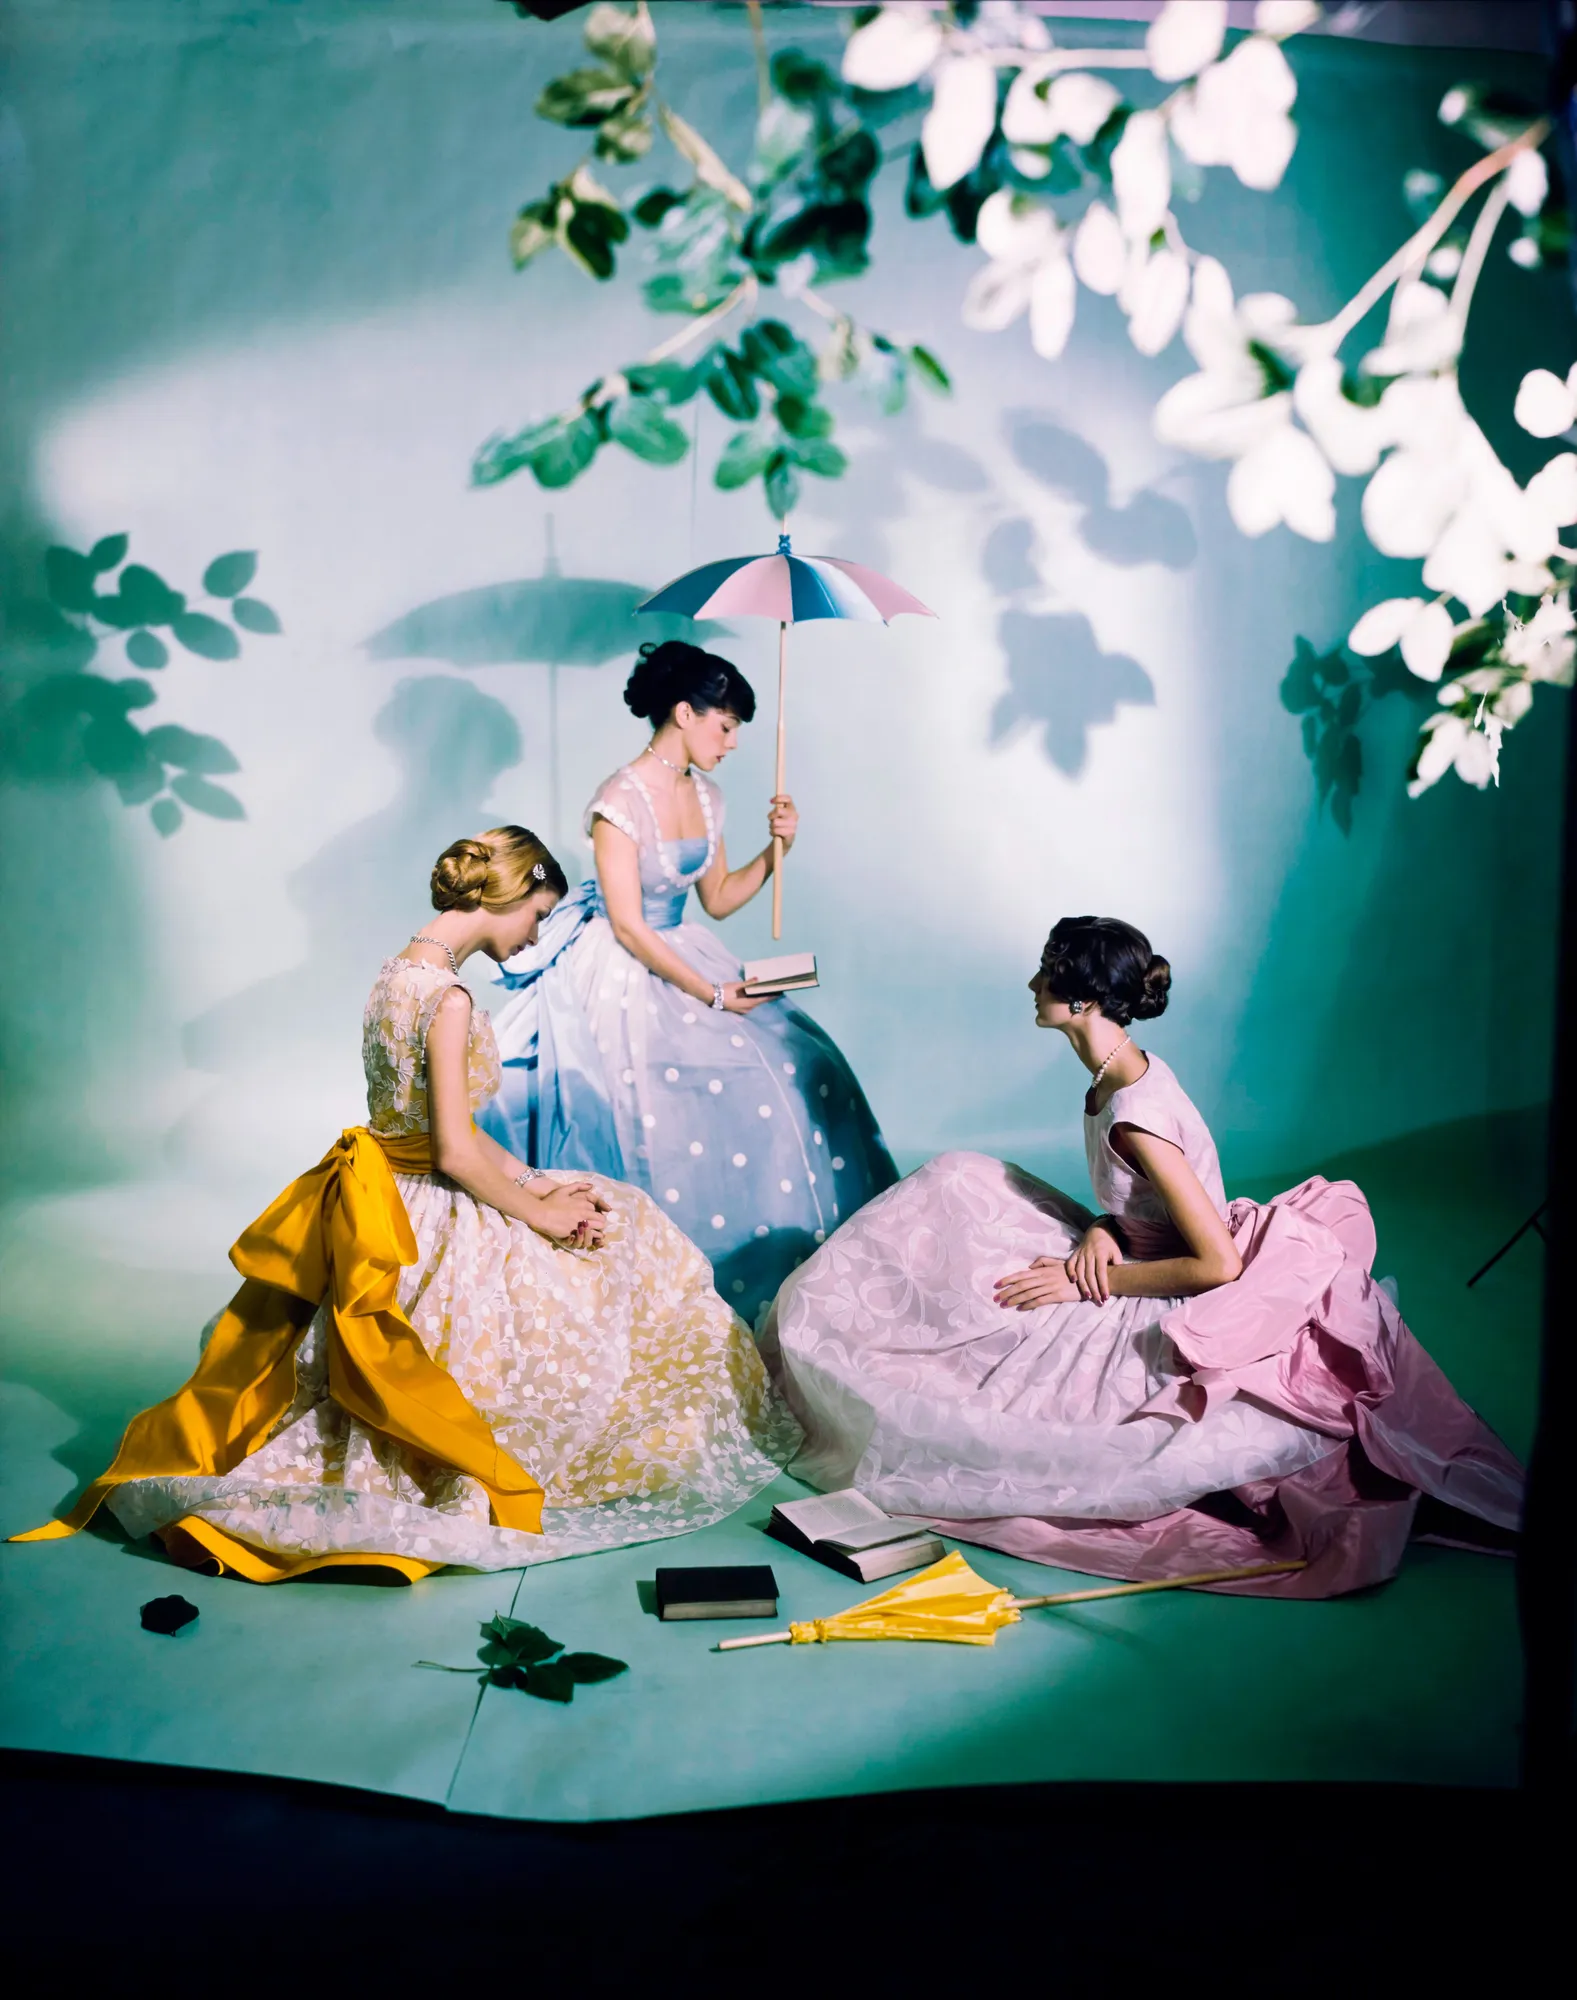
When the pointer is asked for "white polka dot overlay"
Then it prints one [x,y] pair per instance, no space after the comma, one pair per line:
[762,1229]
[696,1149]
[648,1120]
[738,1041]
[788,1069]
[740,1159]
[670,1076]
[786,1186]
[670,1194]
[717,1221]
[765,1110]
[715,1085]
[837,1163]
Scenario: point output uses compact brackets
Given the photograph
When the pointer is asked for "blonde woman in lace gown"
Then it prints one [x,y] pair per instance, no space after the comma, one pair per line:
[441,1356]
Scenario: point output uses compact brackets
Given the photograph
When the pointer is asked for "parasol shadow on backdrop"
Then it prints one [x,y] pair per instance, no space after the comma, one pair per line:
[366,890]
[551,621]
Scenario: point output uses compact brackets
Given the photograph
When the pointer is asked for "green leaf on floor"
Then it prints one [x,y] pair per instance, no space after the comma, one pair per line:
[508,1642]
[517,1655]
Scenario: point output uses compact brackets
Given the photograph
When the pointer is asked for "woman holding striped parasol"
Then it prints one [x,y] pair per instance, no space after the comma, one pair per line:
[630,1049]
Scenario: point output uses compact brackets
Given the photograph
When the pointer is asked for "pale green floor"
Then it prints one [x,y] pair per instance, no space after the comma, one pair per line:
[1414,1682]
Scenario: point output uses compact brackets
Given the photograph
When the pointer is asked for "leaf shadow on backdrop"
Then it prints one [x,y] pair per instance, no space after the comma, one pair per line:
[872,491]
[1145,528]
[1060,681]
[364,893]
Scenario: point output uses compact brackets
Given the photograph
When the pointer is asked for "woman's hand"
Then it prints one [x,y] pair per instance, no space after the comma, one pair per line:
[737,1001]
[571,1216]
[783,820]
[1045,1283]
[1087,1267]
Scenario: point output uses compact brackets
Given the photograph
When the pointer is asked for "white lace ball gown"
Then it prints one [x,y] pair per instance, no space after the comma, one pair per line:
[617,1377]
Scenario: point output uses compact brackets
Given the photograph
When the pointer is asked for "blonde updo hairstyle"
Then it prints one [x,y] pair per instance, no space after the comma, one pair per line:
[494,871]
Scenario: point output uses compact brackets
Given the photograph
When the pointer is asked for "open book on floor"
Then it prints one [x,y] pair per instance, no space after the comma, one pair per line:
[766,976]
[851,1534]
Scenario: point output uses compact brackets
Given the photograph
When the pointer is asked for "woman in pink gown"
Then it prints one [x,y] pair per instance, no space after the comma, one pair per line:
[1180,1384]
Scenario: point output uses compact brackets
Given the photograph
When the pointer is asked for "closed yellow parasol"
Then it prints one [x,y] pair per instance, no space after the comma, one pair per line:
[949,1601]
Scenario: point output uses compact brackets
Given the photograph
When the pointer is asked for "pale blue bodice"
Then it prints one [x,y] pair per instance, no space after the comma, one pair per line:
[662,905]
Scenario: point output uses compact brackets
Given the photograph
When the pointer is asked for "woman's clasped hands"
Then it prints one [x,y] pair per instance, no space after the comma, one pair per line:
[1059,1281]
[571,1215]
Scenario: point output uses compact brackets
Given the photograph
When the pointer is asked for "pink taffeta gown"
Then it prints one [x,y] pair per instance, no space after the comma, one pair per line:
[1288,1416]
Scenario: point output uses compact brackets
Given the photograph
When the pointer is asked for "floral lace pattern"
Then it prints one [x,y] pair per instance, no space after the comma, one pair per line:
[617,1376]
[394,1026]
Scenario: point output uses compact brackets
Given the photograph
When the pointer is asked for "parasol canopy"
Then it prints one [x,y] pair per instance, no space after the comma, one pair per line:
[792,589]
[786,587]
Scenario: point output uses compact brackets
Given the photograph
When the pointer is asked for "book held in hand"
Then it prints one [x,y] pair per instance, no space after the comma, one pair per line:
[766,976]
[721,1590]
[852,1535]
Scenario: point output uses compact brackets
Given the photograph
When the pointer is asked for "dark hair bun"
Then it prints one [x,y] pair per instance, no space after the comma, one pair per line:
[675,671]
[1107,962]
[1157,985]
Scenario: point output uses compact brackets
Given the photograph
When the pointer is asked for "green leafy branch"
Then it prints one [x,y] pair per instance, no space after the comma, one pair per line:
[79,723]
[517,1655]
[800,218]
[1486,686]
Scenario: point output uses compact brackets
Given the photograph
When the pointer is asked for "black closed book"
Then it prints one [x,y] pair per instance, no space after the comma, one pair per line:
[724,1590]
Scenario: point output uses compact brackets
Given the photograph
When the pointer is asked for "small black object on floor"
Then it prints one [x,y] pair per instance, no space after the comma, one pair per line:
[168,1615]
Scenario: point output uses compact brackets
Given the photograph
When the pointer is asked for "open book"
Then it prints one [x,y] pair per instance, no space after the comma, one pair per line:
[765,976]
[851,1534]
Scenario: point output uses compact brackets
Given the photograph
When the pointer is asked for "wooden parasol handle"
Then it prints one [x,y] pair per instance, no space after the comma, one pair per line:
[1165,1583]
[777,844]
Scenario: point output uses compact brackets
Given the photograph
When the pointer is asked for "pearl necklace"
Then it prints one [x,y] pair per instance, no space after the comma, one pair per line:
[1089,1095]
[665,867]
[454,963]
[679,770]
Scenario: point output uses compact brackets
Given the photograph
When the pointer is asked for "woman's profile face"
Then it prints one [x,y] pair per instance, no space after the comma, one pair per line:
[516,927]
[709,733]
[1050,1012]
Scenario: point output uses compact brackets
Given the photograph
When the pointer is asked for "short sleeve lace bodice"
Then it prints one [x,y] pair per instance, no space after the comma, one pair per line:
[624,802]
[1156,1103]
[399,1011]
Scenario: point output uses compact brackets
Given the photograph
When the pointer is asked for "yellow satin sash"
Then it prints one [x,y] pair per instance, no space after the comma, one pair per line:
[338,1234]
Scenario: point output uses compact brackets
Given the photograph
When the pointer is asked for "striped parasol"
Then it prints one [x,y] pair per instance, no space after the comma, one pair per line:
[792,589]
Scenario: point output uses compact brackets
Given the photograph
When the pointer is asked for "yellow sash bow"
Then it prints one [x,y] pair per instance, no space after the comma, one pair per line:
[340,1233]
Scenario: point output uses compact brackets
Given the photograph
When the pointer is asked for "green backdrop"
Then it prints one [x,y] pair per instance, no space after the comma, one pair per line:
[260,298]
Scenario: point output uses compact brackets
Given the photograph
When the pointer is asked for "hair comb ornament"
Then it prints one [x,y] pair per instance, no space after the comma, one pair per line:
[539,873]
